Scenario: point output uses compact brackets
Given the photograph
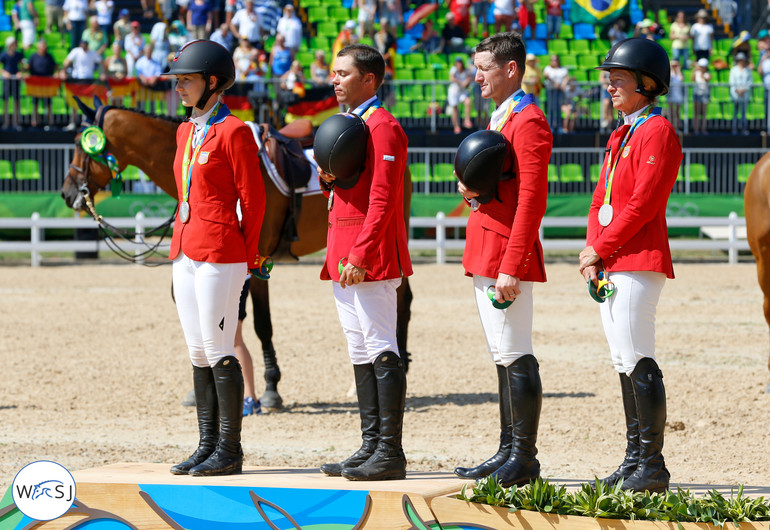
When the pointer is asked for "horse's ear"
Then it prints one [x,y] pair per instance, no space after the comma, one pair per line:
[88,112]
[97,103]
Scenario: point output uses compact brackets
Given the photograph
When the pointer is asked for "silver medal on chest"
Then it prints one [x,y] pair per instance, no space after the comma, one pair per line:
[605,214]
[184,211]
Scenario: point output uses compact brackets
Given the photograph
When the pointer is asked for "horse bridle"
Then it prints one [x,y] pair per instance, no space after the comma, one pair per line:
[109,231]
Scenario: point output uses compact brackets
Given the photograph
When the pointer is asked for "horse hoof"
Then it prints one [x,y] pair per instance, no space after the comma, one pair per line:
[271,401]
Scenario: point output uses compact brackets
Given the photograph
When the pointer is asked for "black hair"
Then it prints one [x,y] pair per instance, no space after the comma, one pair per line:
[367,60]
[505,47]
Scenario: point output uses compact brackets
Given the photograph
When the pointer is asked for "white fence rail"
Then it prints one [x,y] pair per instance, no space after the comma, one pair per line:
[724,234]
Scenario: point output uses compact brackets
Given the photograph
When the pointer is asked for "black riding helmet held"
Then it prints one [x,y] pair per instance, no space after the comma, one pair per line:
[641,56]
[479,162]
[207,58]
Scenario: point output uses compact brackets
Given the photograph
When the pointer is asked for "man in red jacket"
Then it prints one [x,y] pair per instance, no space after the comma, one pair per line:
[503,250]
[367,234]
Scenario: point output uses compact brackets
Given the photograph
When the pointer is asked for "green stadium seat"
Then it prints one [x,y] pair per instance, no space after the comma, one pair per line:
[570,61]
[596,172]
[587,61]
[553,174]
[317,13]
[27,170]
[437,60]
[420,172]
[424,74]
[405,74]
[566,32]
[569,173]
[443,172]
[755,110]
[6,171]
[320,43]
[600,47]
[743,171]
[327,28]
[131,173]
[698,173]
[558,47]
[412,92]
[415,60]
[580,46]
[420,109]
[402,109]
[305,57]
[339,13]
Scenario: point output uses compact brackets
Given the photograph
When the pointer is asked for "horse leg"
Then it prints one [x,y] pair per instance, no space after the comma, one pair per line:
[260,298]
[404,313]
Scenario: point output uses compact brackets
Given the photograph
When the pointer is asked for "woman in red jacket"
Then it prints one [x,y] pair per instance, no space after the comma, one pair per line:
[628,242]
[216,166]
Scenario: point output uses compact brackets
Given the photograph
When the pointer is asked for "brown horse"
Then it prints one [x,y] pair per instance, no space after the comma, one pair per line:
[149,143]
[756,202]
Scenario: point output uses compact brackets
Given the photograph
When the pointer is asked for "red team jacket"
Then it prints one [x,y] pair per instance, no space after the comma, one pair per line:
[225,170]
[366,222]
[637,237]
[502,235]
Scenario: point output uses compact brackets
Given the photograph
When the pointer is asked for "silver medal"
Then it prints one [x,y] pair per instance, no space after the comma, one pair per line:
[184,211]
[605,214]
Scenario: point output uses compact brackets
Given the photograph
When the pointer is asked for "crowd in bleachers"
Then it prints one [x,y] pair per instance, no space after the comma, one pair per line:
[290,45]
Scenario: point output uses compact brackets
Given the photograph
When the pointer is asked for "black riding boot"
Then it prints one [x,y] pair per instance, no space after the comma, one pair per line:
[526,401]
[369,410]
[208,419]
[504,451]
[651,473]
[631,461]
[388,461]
[227,459]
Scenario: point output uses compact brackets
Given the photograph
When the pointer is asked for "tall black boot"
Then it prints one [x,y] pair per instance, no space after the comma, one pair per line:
[631,461]
[388,461]
[651,473]
[504,450]
[227,459]
[526,401]
[369,410]
[208,419]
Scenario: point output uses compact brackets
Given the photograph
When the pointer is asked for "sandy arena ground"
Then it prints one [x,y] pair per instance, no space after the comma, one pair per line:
[95,367]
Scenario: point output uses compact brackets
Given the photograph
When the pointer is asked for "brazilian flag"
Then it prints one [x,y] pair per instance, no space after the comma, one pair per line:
[597,11]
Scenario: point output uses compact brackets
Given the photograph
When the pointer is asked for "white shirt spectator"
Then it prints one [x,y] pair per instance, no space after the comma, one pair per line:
[740,79]
[76,9]
[247,23]
[104,12]
[147,67]
[291,28]
[504,7]
[84,63]
[701,36]
[133,44]
[764,69]
[555,76]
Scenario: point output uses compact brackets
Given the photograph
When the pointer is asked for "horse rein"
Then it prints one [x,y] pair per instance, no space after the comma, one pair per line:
[109,231]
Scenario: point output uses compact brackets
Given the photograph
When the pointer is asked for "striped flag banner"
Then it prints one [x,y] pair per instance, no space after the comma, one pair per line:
[85,89]
[42,87]
[120,88]
[317,105]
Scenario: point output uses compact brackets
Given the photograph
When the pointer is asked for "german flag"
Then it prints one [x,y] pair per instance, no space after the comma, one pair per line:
[237,100]
[317,105]
[85,89]
[42,87]
[120,88]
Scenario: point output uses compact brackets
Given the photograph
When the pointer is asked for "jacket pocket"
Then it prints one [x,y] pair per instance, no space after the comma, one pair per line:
[488,223]
[350,221]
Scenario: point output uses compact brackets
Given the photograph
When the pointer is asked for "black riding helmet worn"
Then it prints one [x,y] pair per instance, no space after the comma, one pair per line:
[479,162]
[207,58]
[641,56]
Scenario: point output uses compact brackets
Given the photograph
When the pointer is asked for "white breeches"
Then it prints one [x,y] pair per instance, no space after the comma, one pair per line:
[628,317]
[508,331]
[207,297]
[368,315]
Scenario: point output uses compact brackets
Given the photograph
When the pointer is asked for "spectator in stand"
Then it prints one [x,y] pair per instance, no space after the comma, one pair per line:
[122,26]
[148,8]
[740,92]
[294,80]
[346,37]
[675,96]
[390,10]
[134,46]
[84,62]
[161,45]
[319,69]
[231,6]
[75,14]
[245,24]
[25,20]
[269,13]
[532,81]
[727,11]
[452,36]
[461,78]
[571,104]
[148,73]
[225,37]
[701,33]
[104,10]
[280,57]
[527,16]
[555,81]
[54,16]
[178,37]
[617,32]
[385,43]
[742,44]
[199,17]
[605,122]
[461,9]
[430,40]
[764,71]
[763,41]
[97,39]
[700,94]
[505,12]
[115,68]
[181,6]
[680,39]
[291,28]
[479,13]
[42,64]
[367,10]
[553,17]
[11,64]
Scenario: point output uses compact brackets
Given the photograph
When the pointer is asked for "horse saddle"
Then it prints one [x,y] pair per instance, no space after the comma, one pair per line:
[285,148]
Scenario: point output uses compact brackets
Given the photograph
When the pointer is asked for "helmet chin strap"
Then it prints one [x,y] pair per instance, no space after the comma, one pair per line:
[640,86]
[206,93]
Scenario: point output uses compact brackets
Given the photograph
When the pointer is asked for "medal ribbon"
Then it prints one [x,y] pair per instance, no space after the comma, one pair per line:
[188,162]
[609,172]
[509,110]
